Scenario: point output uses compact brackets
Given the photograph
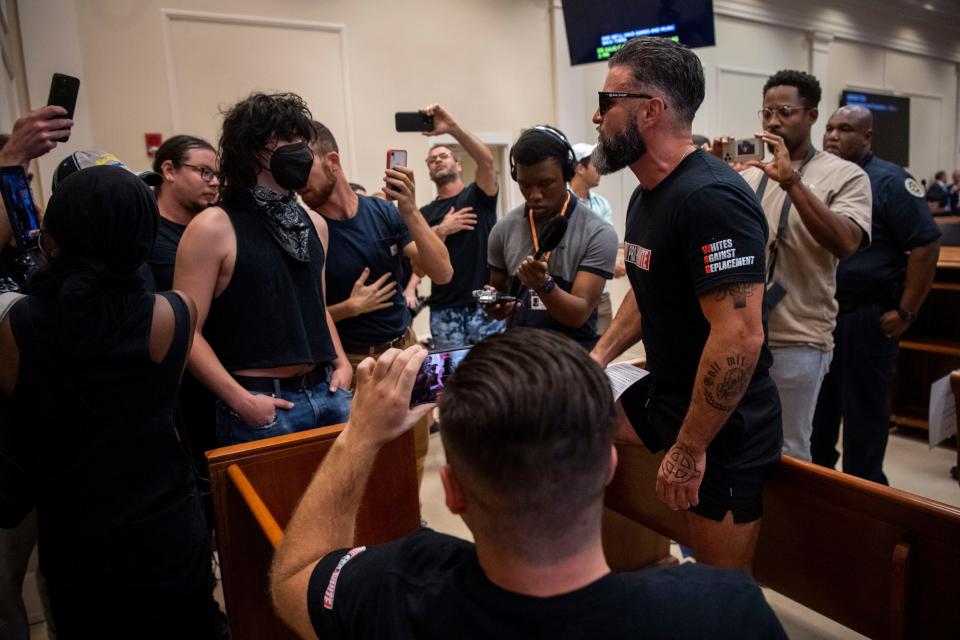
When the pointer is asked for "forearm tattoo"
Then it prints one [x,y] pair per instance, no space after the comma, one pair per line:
[725,382]
[679,466]
[738,292]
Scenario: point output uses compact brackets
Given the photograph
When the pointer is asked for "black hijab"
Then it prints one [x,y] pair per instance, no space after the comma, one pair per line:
[104,220]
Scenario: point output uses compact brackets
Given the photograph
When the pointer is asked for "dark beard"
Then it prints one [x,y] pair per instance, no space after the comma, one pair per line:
[618,151]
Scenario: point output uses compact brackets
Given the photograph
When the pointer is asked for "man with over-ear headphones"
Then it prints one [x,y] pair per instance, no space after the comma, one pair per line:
[561,290]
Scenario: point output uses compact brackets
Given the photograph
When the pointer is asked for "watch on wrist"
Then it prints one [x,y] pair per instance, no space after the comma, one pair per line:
[906,316]
[547,286]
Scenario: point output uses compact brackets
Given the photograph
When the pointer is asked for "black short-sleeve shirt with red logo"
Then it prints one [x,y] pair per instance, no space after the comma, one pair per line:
[701,227]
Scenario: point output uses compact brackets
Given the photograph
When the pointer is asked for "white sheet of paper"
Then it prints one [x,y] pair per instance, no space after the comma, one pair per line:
[622,376]
[943,411]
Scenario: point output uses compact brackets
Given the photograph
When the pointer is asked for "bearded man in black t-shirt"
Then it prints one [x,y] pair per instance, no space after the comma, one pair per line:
[462,216]
[695,252]
[528,428]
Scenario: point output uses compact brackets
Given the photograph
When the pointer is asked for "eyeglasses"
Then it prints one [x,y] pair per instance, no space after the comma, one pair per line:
[440,157]
[607,98]
[206,173]
[784,111]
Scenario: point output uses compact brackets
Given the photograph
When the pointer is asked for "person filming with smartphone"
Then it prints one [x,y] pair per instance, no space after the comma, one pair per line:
[365,239]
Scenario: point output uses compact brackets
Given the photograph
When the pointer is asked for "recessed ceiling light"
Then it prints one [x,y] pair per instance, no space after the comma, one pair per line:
[928,6]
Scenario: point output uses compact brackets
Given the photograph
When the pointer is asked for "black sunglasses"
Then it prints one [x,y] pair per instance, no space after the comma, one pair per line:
[607,98]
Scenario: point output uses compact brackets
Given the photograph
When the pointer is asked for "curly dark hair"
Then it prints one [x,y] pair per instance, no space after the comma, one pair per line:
[248,127]
[807,85]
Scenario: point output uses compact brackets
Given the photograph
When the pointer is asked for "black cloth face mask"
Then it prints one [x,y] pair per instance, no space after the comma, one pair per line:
[291,164]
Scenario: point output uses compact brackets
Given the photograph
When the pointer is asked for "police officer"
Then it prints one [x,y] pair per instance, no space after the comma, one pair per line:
[880,291]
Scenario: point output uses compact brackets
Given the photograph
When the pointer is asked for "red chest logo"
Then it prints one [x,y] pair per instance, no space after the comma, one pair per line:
[637,255]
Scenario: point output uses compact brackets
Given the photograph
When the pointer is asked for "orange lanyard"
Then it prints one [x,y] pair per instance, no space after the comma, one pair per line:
[533,229]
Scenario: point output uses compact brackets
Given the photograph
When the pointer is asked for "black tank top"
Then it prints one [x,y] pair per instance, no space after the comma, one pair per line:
[115,490]
[272,313]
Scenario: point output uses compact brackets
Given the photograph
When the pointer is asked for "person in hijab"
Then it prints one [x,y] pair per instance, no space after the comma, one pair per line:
[89,376]
[265,343]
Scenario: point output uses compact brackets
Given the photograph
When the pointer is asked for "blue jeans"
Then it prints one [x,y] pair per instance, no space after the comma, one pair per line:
[313,408]
[454,327]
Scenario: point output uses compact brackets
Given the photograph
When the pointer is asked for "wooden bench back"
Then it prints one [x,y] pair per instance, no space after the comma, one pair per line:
[277,471]
[883,562]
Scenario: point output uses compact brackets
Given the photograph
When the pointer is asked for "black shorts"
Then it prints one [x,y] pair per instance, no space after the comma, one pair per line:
[732,481]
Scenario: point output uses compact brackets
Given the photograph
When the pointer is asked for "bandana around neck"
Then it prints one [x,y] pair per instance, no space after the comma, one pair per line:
[285,221]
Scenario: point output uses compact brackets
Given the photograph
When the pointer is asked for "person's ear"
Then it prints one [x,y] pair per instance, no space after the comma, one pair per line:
[333,159]
[166,170]
[453,494]
[613,463]
[813,114]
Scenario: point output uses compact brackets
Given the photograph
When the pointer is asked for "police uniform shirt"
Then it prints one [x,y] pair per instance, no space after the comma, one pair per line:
[806,269]
[901,222]
[431,585]
[375,237]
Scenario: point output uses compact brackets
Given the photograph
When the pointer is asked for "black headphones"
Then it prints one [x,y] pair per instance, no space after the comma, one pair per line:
[569,165]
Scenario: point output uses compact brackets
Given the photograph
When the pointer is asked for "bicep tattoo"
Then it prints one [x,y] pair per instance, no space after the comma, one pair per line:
[726,381]
[738,292]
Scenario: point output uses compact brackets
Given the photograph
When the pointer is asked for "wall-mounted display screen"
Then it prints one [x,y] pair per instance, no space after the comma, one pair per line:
[891,123]
[596,29]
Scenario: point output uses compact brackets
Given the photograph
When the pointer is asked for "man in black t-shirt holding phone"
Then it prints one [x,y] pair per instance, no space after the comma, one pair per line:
[462,216]
[528,429]
[695,252]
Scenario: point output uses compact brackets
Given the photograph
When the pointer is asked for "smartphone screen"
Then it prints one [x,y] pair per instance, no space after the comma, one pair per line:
[434,374]
[18,201]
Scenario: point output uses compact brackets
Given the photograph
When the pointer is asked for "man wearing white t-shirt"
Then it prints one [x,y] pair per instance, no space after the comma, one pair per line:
[826,219]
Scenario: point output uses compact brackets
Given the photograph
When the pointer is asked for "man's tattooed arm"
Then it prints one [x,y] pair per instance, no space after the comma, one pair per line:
[738,292]
[727,363]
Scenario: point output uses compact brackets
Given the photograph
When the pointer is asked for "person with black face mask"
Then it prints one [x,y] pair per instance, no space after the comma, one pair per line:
[265,343]
[88,386]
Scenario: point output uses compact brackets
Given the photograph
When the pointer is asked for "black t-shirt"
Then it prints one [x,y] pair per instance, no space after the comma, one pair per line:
[468,249]
[375,237]
[430,585]
[700,228]
[164,253]
[901,222]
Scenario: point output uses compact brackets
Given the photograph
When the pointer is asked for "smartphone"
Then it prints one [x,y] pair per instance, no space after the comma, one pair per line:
[63,93]
[396,158]
[743,149]
[434,374]
[18,201]
[412,121]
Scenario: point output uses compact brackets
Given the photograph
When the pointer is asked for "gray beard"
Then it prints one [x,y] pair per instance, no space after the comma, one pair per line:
[616,152]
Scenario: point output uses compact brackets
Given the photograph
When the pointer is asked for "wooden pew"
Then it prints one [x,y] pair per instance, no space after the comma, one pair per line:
[955,387]
[256,487]
[881,561]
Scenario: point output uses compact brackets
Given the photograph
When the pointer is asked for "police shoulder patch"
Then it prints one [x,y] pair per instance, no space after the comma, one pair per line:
[913,187]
